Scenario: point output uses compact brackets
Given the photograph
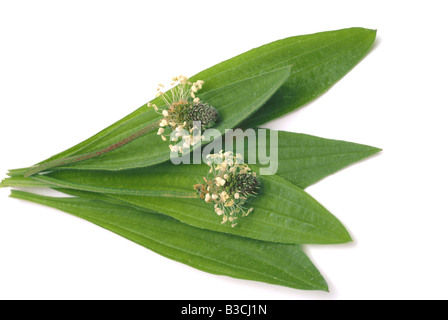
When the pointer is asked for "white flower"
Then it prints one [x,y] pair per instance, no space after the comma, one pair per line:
[161,130]
[151,105]
[224,196]
[183,79]
[223,166]
[179,97]
[198,84]
[220,181]
[230,203]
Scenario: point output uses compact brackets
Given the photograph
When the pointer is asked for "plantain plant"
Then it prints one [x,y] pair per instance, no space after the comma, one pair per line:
[220,217]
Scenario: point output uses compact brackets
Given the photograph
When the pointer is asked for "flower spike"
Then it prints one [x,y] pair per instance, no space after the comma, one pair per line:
[184,108]
[231,185]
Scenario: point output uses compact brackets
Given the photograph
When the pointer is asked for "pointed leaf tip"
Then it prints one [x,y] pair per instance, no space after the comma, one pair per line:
[317,62]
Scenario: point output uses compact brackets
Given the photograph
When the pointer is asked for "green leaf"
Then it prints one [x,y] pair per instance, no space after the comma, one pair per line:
[15,182]
[318,61]
[282,212]
[212,252]
[234,102]
[304,159]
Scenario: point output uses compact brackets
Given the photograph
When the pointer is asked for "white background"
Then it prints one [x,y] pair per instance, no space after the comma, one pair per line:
[70,68]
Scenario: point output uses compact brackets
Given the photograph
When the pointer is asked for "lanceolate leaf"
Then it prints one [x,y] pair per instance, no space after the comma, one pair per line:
[318,61]
[282,212]
[234,102]
[213,252]
[248,91]
[302,159]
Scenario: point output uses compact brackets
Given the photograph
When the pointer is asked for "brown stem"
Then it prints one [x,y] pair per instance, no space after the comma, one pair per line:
[60,162]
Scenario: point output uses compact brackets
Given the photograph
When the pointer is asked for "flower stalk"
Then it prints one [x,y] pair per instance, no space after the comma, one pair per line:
[184,110]
[68,160]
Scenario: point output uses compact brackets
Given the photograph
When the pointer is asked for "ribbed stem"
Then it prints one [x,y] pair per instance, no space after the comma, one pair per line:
[60,162]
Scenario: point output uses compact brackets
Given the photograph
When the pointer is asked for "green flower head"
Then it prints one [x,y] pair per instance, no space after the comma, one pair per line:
[231,185]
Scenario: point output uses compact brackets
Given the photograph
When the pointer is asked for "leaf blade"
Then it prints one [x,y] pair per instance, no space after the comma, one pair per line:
[293,50]
[208,251]
[234,102]
[305,159]
[319,60]
[283,212]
